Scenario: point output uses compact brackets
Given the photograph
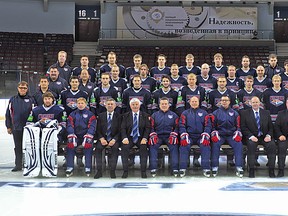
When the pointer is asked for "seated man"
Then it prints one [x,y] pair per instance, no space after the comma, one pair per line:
[226,128]
[108,136]
[81,127]
[164,130]
[135,129]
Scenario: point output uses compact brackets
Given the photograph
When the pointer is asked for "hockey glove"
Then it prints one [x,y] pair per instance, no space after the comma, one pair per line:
[237,136]
[215,136]
[88,141]
[71,141]
[205,139]
[184,139]
[153,138]
[173,138]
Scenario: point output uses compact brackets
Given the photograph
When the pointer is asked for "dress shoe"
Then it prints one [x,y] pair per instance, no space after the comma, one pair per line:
[143,175]
[251,173]
[280,173]
[98,175]
[271,173]
[125,174]
[112,174]
[16,168]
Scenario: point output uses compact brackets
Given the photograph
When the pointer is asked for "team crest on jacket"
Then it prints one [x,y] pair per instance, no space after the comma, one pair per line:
[200,114]
[26,100]
[58,83]
[170,116]
[65,69]
[85,115]
[277,100]
[231,113]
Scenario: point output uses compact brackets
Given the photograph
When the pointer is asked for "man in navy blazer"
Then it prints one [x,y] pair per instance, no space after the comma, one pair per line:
[255,135]
[135,130]
[108,136]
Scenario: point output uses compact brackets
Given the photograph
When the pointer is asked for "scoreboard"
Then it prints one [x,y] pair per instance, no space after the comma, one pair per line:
[280,13]
[87,12]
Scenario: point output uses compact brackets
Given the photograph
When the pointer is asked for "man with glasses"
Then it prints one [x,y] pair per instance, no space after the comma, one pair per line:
[18,110]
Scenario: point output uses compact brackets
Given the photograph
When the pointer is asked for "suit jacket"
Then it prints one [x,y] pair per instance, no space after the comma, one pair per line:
[102,126]
[249,126]
[281,124]
[127,124]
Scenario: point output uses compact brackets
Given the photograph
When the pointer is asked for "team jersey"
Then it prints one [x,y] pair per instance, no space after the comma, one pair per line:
[284,78]
[142,94]
[92,72]
[240,73]
[270,71]
[149,84]
[157,72]
[209,83]
[263,84]
[187,93]
[245,97]
[65,71]
[106,68]
[215,98]
[184,71]
[234,84]
[172,96]
[38,96]
[178,83]
[120,84]
[130,73]
[218,71]
[89,87]
[58,86]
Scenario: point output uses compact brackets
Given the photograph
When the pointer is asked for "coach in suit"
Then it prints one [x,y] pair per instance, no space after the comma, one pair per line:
[108,136]
[281,134]
[257,128]
[135,129]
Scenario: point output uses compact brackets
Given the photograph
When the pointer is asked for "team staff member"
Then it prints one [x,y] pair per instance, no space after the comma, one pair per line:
[18,110]
[135,129]
[108,136]
[164,130]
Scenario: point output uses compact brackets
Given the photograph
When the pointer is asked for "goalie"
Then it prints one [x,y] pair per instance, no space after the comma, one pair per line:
[40,138]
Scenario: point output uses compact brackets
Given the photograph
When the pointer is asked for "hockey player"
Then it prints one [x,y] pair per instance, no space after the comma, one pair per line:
[273,67]
[147,82]
[206,81]
[65,71]
[226,128]
[17,112]
[233,83]
[261,82]
[274,98]
[43,117]
[218,69]
[81,127]
[116,81]
[158,71]
[177,81]
[102,93]
[84,61]
[245,70]
[85,84]
[131,71]
[194,129]
[164,130]
[56,83]
[137,91]
[69,97]
[112,59]
[43,87]
[190,67]
[165,91]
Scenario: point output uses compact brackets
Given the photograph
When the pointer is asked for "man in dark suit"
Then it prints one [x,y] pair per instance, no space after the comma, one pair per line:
[108,136]
[135,129]
[281,133]
[257,128]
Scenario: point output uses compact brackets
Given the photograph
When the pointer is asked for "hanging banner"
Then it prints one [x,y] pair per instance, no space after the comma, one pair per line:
[186,22]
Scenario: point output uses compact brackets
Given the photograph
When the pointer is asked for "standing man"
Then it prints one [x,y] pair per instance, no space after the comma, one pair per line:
[189,67]
[84,61]
[164,130]
[161,69]
[226,128]
[245,70]
[108,136]
[273,67]
[257,129]
[56,83]
[112,60]
[43,88]
[135,130]
[18,110]
[131,71]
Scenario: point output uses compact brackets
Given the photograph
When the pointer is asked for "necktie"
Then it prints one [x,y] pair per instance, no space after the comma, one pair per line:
[135,129]
[258,123]
[109,127]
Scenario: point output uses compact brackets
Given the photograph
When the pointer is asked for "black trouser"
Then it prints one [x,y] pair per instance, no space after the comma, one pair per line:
[18,137]
[143,151]
[112,159]
[282,149]
[270,148]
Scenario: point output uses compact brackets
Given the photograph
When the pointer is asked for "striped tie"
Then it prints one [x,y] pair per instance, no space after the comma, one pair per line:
[109,127]
[258,124]
[135,129]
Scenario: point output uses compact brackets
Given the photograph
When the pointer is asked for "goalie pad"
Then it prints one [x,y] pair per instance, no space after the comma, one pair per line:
[49,152]
[31,152]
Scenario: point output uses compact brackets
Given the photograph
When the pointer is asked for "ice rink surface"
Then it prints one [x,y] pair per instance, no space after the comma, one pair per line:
[163,195]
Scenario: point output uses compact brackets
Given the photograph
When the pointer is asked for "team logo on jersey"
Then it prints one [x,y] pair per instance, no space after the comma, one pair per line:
[158,77]
[277,100]
[231,113]
[65,69]
[139,97]
[58,83]
[26,100]
[146,87]
[103,100]
[277,70]
[71,103]
[207,86]
[46,116]
[170,116]
[89,87]
[217,102]
[247,100]
[200,114]
[85,115]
